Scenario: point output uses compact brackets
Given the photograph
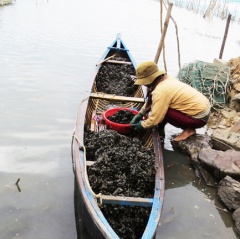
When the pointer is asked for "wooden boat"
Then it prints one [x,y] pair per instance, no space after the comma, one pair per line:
[91,107]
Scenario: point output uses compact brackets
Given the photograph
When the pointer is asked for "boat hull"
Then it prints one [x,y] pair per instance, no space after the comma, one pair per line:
[87,202]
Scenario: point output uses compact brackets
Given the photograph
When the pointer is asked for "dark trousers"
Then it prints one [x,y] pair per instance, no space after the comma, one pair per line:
[181,120]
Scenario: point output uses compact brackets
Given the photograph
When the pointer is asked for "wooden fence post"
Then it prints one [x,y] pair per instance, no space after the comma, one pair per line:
[225,36]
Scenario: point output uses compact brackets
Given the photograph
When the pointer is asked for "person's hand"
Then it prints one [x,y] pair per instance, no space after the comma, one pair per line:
[136,118]
[137,127]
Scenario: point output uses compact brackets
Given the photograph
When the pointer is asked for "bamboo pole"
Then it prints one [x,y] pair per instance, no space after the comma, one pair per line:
[163,33]
[105,60]
[225,35]
[161,11]
[161,29]
[178,45]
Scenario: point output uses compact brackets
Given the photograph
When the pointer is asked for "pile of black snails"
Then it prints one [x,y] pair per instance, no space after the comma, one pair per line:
[123,116]
[116,78]
[123,167]
[128,222]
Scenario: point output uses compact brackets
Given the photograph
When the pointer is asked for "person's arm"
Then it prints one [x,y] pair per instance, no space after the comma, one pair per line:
[143,110]
[160,104]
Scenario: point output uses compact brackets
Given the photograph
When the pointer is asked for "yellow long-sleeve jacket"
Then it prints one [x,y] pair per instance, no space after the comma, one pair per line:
[174,94]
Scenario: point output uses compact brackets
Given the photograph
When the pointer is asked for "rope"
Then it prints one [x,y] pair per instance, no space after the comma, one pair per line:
[84,99]
[210,79]
[85,165]
[96,196]
[73,135]
[100,199]
[82,147]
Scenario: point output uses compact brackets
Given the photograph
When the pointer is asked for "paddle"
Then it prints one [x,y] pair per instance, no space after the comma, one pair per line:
[106,59]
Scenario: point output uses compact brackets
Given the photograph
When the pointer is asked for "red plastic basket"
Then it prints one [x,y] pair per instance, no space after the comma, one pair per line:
[120,128]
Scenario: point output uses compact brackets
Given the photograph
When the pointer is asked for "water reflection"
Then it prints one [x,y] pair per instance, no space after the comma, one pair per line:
[189,203]
[48,51]
[82,231]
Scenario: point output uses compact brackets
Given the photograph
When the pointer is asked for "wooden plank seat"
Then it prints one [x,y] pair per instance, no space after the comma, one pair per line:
[116,97]
[119,62]
[117,49]
[126,201]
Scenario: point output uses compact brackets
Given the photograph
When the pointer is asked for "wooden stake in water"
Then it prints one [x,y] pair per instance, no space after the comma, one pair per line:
[225,35]
[163,33]
[19,189]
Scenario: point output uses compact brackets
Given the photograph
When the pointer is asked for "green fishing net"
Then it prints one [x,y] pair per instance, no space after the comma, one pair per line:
[211,79]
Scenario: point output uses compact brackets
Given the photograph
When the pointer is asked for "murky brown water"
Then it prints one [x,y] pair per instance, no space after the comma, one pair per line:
[48,53]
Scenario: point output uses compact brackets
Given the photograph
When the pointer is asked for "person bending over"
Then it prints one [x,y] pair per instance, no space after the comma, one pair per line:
[169,101]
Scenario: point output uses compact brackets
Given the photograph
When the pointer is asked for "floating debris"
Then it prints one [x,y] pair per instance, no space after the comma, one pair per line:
[18,187]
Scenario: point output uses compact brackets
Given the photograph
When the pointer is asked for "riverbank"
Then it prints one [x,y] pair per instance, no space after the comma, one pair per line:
[215,155]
